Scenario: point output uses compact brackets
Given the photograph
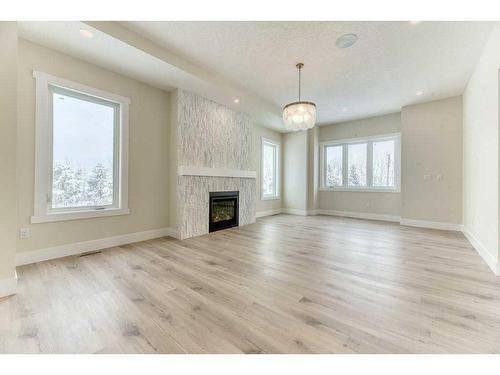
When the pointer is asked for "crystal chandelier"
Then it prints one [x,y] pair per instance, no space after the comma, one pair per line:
[299,115]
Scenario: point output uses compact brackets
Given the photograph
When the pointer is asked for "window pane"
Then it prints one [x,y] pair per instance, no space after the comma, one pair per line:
[333,162]
[268,169]
[82,171]
[383,163]
[357,164]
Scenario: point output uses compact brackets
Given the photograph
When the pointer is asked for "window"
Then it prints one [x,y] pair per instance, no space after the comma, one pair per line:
[383,163]
[81,151]
[333,155]
[356,164]
[270,169]
[362,164]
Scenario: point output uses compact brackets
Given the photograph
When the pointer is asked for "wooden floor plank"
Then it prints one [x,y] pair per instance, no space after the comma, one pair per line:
[286,284]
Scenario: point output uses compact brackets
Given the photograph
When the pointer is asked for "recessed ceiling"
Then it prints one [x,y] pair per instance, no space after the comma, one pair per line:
[380,73]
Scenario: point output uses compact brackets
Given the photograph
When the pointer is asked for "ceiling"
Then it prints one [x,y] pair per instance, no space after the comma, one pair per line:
[255,61]
[379,74]
[120,50]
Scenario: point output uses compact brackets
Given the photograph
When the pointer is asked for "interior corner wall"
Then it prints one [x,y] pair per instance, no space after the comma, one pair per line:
[266,206]
[295,171]
[8,122]
[431,162]
[312,169]
[481,153]
[173,159]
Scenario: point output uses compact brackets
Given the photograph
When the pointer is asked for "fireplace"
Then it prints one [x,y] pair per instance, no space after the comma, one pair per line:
[223,210]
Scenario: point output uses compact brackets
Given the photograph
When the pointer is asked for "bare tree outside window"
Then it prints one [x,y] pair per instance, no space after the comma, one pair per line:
[383,163]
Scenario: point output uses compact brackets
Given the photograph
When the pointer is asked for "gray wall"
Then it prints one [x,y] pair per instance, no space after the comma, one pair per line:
[295,174]
[481,138]
[313,168]
[148,151]
[431,145]
[8,121]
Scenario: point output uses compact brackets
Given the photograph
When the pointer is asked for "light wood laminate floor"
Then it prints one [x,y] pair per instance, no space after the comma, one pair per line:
[287,284]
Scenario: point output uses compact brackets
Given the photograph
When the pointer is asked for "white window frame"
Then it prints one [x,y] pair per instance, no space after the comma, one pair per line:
[396,137]
[43,154]
[276,145]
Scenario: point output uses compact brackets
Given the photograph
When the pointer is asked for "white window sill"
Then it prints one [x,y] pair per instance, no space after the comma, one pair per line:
[361,190]
[77,215]
[274,198]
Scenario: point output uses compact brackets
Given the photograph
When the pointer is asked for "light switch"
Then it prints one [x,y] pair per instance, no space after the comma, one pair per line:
[439,177]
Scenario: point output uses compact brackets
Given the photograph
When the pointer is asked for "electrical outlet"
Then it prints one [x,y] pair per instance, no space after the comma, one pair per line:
[427,177]
[24,233]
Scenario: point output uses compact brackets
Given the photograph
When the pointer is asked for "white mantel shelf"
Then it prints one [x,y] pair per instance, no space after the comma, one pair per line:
[214,172]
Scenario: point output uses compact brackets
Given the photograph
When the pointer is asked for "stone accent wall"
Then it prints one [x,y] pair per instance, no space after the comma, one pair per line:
[211,135]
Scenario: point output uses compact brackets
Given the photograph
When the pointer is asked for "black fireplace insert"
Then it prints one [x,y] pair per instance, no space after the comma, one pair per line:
[223,210]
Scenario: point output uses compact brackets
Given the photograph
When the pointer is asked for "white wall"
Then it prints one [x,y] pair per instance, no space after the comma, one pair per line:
[266,205]
[380,203]
[295,170]
[431,143]
[173,160]
[313,169]
[481,137]
[148,151]
[8,120]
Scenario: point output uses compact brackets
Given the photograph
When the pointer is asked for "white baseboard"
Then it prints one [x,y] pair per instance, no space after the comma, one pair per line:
[28,257]
[296,211]
[431,224]
[483,252]
[374,216]
[268,212]
[360,215]
[367,216]
[8,286]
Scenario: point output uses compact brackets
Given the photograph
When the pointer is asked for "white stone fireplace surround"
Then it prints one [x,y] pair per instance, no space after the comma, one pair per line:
[213,153]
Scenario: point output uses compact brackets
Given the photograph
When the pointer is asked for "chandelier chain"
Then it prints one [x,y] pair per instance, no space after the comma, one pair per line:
[300,79]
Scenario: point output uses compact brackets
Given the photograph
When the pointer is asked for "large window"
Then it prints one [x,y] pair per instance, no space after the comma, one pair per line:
[270,169]
[361,164]
[333,164]
[356,164]
[81,151]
